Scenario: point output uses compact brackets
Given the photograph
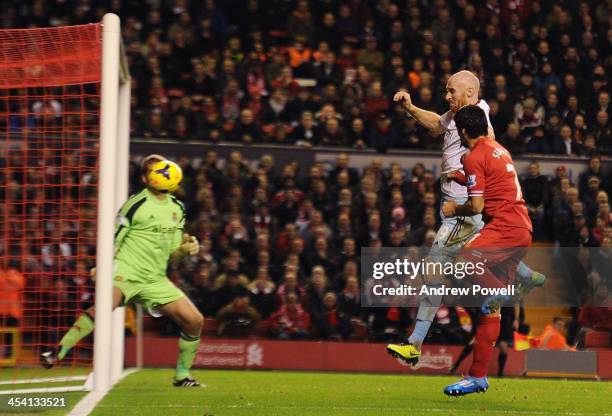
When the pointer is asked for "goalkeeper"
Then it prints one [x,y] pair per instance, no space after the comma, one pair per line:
[149,234]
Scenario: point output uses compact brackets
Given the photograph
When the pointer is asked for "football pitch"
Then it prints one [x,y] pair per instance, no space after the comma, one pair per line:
[149,393]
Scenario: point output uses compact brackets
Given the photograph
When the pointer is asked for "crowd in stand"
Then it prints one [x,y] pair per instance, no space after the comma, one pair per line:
[323,72]
[284,247]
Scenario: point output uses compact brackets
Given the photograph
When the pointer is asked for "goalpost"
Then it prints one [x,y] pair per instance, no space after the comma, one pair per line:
[64,121]
[112,192]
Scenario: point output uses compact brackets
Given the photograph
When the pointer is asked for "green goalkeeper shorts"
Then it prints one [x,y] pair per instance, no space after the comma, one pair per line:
[151,295]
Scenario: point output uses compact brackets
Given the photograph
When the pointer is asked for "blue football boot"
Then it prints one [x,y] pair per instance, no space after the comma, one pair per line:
[467,385]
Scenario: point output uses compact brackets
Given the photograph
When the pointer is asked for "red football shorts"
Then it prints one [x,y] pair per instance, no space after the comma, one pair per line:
[501,250]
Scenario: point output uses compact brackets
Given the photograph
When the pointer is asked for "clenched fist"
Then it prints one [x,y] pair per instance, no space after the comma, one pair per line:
[190,245]
[403,97]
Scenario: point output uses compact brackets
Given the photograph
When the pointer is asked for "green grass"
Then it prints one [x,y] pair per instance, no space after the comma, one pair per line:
[235,393]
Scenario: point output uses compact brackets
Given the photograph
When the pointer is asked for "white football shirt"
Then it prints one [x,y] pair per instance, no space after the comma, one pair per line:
[453,150]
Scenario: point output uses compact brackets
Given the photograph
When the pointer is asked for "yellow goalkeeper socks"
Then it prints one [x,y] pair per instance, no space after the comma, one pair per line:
[80,329]
[188,347]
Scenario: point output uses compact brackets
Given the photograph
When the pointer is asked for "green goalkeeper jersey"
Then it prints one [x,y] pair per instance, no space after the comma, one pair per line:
[148,230]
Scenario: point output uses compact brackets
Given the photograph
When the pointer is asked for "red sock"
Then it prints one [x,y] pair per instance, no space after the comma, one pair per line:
[484,345]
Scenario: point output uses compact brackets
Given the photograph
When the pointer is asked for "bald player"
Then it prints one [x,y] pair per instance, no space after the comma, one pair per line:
[462,89]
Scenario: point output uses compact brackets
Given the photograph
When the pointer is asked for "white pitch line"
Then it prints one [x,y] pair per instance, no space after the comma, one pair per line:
[44,380]
[89,402]
[43,390]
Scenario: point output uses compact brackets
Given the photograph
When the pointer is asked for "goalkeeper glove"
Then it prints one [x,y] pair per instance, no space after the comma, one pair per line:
[190,245]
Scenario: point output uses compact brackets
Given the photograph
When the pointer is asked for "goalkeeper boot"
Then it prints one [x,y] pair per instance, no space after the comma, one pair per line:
[186,382]
[467,385]
[48,358]
[405,352]
[527,285]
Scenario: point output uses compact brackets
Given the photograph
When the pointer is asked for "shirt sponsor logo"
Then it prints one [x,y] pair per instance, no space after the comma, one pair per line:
[439,361]
[163,230]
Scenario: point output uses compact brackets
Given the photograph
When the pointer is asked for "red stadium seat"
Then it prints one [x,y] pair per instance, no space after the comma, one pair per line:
[597,339]
[210,326]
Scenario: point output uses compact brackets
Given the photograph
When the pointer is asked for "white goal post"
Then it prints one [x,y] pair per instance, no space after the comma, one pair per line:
[112,192]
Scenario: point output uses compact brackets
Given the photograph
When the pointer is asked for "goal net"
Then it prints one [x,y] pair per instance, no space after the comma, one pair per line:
[52,169]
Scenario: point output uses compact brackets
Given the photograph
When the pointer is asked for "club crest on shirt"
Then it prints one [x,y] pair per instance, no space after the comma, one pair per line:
[471,180]
[174,217]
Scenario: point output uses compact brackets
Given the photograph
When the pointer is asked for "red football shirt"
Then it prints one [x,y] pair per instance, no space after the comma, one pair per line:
[490,173]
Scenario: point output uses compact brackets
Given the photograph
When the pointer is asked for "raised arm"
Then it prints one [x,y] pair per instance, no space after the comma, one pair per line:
[427,119]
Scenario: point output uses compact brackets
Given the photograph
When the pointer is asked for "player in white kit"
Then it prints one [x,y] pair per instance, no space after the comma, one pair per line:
[462,89]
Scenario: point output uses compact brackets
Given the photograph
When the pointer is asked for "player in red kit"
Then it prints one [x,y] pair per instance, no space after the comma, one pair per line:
[494,191]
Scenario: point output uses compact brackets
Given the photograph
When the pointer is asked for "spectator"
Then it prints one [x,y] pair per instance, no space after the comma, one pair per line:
[443,27]
[529,114]
[245,130]
[513,140]
[370,56]
[12,282]
[301,22]
[330,322]
[200,291]
[321,257]
[276,109]
[564,143]
[546,77]
[263,296]
[332,134]
[499,120]
[290,321]
[536,193]
[375,102]
[552,338]
[328,71]
[382,134]
[229,285]
[538,142]
[238,318]
[594,169]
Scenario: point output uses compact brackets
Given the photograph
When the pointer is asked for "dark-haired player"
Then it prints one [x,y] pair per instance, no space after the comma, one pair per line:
[494,191]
